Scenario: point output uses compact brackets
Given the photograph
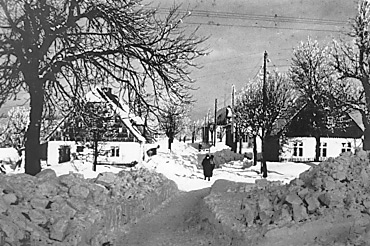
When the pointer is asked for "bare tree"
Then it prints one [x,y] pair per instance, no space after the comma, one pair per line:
[186,132]
[248,111]
[13,132]
[171,120]
[57,50]
[251,111]
[95,122]
[317,82]
[351,60]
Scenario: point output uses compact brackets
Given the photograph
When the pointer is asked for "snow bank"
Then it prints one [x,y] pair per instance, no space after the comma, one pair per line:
[84,168]
[9,155]
[181,165]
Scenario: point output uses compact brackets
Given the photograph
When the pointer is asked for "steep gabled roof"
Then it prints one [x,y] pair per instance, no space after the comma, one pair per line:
[121,109]
[100,95]
[283,123]
[299,125]
[221,116]
[356,116]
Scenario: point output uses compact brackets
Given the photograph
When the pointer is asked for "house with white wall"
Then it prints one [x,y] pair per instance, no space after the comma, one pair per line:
[292,140]
[124,148]
[223,132]
[302,149]
[299,144]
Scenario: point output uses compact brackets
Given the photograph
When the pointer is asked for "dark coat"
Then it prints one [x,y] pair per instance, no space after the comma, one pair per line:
[152,151]
[207,167]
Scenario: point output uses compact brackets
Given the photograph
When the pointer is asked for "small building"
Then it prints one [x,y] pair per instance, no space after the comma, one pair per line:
[124,146]
[303,149]
[293,140]
[225,133]
[298,143]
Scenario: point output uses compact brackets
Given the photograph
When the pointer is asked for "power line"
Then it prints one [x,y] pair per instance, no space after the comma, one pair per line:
[244,54]
[264,27]
[258,70]
[224,72]
[241,69]
[279,66]
[273,18]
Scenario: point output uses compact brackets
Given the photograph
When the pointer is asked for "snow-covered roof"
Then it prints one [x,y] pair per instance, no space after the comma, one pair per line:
[357,118]
[99,95]
[129,119]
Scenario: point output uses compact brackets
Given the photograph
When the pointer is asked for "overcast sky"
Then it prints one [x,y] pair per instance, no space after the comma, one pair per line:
[241,30]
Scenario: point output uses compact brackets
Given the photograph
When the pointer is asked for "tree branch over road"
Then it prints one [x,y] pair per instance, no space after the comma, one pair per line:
[58,50]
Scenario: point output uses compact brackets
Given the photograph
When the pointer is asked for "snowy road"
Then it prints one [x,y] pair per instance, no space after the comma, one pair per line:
[176,223]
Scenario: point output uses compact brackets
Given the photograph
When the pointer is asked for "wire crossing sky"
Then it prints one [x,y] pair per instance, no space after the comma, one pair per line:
[240,31]
[276,19]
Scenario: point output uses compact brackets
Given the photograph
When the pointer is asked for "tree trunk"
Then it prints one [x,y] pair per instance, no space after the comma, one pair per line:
[170,141]
[255,150]
[366,85]
[96,153]
[366,141]
[263,161]
[32,143]
[236,139]
[240,144]
[317,148]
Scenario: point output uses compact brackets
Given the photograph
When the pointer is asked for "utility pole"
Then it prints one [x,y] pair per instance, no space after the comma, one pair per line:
[264,98]
[264,95]
[205,129]
[215,125]
[232,118]
[208,125]
[193,133]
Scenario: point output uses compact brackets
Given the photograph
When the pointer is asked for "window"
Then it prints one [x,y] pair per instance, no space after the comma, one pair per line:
[80,149]
[323,149]
[330,121]
[248,139]
[298,149]
[245,138]
[346,147]
[114,151]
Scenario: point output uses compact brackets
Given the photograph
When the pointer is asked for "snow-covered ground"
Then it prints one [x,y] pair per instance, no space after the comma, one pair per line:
[180,165]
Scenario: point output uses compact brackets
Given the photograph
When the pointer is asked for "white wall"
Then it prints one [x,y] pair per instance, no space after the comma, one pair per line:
[334,147]
[128,152]
[53,150]
[245,148]
[9,155]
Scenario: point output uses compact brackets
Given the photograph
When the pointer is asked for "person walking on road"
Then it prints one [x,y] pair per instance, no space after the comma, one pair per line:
[207,167]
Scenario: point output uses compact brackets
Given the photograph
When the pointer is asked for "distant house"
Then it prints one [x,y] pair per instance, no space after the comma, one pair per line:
[224,132]
[299,143]
[223,129]
[292,139]
[125,146]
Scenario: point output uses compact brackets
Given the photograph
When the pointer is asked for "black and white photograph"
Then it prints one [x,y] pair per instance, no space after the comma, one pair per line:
[184,122]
